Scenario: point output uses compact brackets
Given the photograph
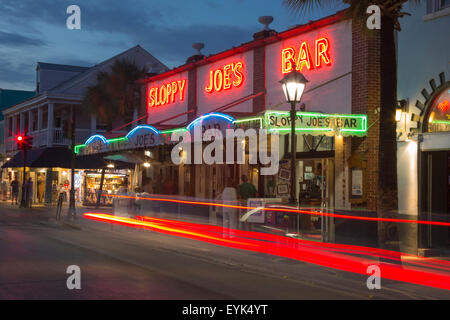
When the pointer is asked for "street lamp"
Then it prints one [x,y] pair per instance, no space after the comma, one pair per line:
[293,85]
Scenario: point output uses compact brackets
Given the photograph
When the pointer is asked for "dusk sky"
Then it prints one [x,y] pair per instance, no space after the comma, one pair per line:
[32,31]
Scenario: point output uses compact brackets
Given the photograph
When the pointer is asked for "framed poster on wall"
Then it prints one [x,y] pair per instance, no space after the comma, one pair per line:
[357,179]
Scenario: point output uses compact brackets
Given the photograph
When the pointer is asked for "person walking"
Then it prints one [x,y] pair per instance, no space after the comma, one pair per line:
[14,191]
[229,215]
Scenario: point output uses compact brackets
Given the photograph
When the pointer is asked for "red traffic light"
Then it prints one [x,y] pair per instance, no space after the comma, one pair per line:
[24,142]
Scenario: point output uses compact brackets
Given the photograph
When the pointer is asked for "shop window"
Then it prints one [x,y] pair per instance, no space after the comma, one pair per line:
[439,114]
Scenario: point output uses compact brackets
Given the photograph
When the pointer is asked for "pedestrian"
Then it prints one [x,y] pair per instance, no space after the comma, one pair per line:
[29,192]
[4,189]
[14,191]
[40,189]
[246,190]
[229,214]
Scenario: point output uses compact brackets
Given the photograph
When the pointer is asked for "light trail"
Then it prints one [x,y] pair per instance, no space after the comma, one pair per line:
[336,256]
[286,209]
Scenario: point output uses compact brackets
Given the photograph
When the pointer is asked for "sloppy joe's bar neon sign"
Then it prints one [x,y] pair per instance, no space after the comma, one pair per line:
[304,58]
[167,93]
[225,78]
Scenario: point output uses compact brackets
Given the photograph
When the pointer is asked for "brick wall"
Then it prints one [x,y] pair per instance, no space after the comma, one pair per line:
[259,78]
[192,94]
[365,100]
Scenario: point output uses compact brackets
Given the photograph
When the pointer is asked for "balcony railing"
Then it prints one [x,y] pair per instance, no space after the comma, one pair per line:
[58,139]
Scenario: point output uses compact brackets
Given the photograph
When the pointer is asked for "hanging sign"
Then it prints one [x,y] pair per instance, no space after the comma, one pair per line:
[318,123]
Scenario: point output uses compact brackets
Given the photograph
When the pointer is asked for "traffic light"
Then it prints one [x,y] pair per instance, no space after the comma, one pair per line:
[24,142]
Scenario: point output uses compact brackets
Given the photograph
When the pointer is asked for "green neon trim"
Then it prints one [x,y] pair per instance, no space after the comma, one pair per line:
[118,139]
[316,114]
[247,119]
[441,122]
[173,130]
[260,119]
[78,147]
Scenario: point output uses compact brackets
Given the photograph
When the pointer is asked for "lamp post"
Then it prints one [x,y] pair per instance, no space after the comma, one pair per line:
[293,85]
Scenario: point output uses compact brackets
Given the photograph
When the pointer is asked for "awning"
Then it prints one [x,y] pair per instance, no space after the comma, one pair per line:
[55,157]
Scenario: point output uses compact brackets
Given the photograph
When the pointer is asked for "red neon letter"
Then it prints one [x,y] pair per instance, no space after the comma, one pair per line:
[174,90]
[287,59]
[218,80]
[322,52]
[181,85]
[152,100]
[211,81]
[227,77]
[237,68]
[304,57]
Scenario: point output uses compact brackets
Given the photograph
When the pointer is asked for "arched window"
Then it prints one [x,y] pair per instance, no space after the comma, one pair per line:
[439,114]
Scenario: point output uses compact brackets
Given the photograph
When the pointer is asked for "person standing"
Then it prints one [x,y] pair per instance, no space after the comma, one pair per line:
[4,189]
[40,189]
[29,192]
[14,191]
[246,190]
[229,214]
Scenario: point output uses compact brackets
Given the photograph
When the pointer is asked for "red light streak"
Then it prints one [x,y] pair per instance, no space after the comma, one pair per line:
[324,254]
[286,209]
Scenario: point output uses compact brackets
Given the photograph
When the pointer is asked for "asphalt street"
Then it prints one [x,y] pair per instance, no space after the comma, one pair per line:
[117,262]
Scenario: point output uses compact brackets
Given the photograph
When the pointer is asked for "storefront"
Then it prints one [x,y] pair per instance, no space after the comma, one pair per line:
[337,125]
[49,172]
[424,168]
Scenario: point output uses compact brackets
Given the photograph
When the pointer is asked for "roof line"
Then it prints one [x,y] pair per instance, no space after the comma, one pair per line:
[312,25]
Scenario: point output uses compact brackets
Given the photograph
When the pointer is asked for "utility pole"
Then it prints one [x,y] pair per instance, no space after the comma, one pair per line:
[23,199]
[72,210]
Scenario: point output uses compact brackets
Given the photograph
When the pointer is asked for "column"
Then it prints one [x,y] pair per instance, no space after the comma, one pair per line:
[30,120]
[48,186]
[22,122]
[50,125]
[341,172]
[39,127]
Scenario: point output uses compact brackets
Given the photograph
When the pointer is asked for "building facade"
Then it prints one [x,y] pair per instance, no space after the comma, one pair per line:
[60,91]
[424,127]
[337,122]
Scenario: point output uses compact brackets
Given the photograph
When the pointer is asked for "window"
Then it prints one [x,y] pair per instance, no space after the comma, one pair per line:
[436,9]
[439,115]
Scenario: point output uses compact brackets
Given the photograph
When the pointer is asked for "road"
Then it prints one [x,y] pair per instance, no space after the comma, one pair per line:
[117,262]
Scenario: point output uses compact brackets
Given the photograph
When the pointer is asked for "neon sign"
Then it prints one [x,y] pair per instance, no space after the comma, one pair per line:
[221,79]
[443,106]
[167,93]
[304,58]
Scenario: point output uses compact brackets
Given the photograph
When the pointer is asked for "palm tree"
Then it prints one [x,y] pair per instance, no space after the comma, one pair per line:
[116,94]
[384,40]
